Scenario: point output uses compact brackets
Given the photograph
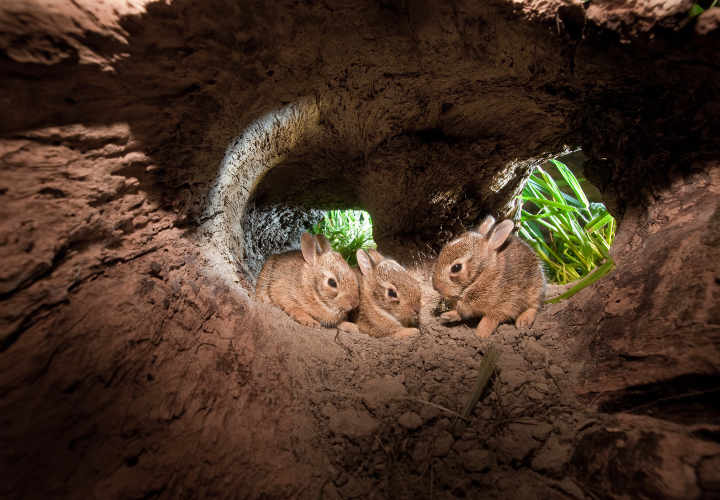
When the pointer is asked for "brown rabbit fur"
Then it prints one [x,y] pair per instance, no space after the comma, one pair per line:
[490,273]
[389,297]
[314,286]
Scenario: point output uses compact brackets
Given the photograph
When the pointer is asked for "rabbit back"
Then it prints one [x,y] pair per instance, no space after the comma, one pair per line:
[389,297]
[314,286]
[512,283]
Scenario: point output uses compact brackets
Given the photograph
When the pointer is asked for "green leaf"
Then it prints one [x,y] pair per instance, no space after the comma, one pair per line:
[572,182]
[695,10]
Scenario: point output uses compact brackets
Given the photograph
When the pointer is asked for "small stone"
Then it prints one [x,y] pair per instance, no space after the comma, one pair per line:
[516,444]
[330,492]
[410,420]
[125,225]
[140,221]
[132,183]
[551,459]
[542,431]
[464,445]
[534,352]
[541,386]
[328,410]
[155,268]
[568,486]
[535,395]
[378,391]
[555,371]
[353,423]
[478,460]
[420,452]
[513,378]
[442,444]
[429,412]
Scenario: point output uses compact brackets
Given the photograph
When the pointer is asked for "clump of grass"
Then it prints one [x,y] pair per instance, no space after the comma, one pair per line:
[571,235]
[348,231]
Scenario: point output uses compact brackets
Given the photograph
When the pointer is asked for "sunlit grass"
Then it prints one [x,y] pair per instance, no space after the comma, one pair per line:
[571,235]
[347,231]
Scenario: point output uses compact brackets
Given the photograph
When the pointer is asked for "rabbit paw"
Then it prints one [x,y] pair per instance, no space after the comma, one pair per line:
[526,319]
[348,327]
[450,316]
[405,332]
[304,318]
[486,327]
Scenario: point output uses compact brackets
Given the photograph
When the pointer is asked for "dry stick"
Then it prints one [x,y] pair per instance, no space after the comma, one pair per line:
[434,405]
[487,367]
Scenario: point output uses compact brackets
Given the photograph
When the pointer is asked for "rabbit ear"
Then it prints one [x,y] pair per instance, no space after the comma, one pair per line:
[486,225]
[364,262]
[375,256]
[500,234]
[308,248]
[323,243]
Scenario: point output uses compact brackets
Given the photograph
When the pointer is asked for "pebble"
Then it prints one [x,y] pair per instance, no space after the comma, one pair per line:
[478,460]
[353,423]
[410,420]
[442,444]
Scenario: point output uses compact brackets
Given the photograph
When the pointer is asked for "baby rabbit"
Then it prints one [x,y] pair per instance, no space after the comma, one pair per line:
[389,297]
[314,286]
[490,273]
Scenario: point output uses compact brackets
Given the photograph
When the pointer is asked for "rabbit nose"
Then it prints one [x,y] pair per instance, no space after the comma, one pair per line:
[350,302]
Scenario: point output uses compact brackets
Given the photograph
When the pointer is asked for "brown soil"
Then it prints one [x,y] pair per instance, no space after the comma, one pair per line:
[133,362]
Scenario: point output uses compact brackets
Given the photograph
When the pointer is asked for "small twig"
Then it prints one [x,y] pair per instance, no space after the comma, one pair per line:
[487,367]
[439,407]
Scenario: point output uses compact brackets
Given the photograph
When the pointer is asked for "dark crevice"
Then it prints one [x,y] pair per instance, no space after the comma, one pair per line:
[684,399]
[30,319]
[707,435]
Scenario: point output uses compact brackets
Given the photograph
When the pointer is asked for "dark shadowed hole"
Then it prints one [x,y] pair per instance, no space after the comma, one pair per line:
[684,399]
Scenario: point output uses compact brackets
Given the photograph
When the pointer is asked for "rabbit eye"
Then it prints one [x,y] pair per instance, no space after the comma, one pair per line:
[456,268]
[332,283]
[392,293]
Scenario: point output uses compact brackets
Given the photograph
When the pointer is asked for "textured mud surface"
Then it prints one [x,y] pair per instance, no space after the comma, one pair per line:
[133,363]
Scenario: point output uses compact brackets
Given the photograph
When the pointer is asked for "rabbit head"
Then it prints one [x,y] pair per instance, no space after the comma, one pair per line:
[464,258]
[330,278]
[390,287]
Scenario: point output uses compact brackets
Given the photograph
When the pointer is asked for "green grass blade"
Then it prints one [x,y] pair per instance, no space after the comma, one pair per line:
[572,182]
[587,281]
[598,223]
[547,203]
